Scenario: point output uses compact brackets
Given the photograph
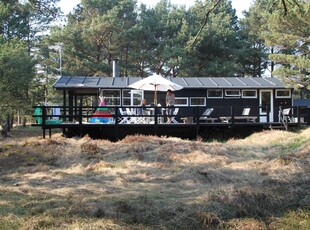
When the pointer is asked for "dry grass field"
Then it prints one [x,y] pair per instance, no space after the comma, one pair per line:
[147,182]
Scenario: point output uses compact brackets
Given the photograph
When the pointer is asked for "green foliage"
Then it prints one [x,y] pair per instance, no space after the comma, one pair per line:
[152,40]
[299,219]
[289,34]
[254,51]
[26,19]
[94,36]
[22,24]
[16,73]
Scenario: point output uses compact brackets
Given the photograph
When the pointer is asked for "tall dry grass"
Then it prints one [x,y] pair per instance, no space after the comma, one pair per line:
[147,182]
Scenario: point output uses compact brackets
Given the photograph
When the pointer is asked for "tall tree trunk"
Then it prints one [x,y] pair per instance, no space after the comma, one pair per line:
[259,60]
[272,63]
[11,121]
[8,123]
[24,121]
[5,129]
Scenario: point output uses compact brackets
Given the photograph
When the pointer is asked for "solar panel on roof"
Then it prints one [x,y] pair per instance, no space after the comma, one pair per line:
[179,81]
[221,82]
[76,80]
[120,81]
[192,82]
[200,82]
[105,82]
[207,81]
[91,81]
[63,80]
[132,80]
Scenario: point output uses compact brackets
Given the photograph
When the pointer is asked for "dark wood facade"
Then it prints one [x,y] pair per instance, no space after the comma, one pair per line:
[265,93]
[227,96]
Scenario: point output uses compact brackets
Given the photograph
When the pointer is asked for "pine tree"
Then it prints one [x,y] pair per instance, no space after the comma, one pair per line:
[290,34]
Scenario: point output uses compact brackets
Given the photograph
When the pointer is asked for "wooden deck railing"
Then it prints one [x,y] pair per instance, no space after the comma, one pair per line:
[82,116]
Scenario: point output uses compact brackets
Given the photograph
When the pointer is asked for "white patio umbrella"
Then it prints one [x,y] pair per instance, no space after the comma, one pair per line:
[155,83]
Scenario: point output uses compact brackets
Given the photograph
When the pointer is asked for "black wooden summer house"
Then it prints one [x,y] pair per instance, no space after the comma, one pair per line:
[202,104]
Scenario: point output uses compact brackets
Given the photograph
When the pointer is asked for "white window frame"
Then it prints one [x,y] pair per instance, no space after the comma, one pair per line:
[180,98]
[133,102]
[214,90]
[234,93]
[113,98]
[247,90]
[283,90]
[204,101]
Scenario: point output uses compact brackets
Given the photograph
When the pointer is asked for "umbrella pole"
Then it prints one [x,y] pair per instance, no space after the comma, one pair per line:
[155,96]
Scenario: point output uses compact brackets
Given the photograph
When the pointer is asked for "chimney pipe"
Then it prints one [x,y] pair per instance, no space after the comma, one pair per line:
[115,68]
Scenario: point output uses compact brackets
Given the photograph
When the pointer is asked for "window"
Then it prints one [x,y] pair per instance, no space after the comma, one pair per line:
[249,93]
[137,96]
[232,93]
[283,93]
[113,97]
[198,101]
[215,93]
[181,101]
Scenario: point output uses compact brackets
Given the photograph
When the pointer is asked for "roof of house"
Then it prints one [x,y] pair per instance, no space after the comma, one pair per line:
[67,82]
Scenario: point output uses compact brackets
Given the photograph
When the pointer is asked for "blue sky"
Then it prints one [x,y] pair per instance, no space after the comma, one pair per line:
[239,5]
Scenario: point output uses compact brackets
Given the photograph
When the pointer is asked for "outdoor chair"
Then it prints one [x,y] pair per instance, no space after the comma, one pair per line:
[286,116]
[130,113]
[124,119]
[246,115]
[56,113]
[159,113]
[134,118]
[206,115]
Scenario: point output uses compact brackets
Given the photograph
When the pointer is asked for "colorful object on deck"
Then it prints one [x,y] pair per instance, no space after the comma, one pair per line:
[38,113]
[102,114]
[102,103]
[53,122]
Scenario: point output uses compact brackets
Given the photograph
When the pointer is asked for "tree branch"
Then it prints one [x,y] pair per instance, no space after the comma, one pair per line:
[204,23]
[284,3]
[284,6]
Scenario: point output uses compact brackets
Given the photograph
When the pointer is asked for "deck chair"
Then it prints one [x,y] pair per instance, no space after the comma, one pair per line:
[130,113]
[134,118]
[159,112]
[286,116]
[175,112]
[246,112]
[206,115]
[123,119]
[56,113]
[246,115]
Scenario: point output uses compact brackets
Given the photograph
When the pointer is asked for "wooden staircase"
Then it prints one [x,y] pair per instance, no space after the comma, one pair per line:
[284,119]
[277,127]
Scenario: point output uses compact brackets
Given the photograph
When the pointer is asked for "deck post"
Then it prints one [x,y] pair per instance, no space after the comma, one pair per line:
[43,120]
[64,111]
[298,116]
[155,120]
[232,111]
[81,117]
[197,121]
[116,122]
[70,107]
[76,108]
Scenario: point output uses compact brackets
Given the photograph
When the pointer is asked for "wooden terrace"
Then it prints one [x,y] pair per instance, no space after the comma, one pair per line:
[188,122]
